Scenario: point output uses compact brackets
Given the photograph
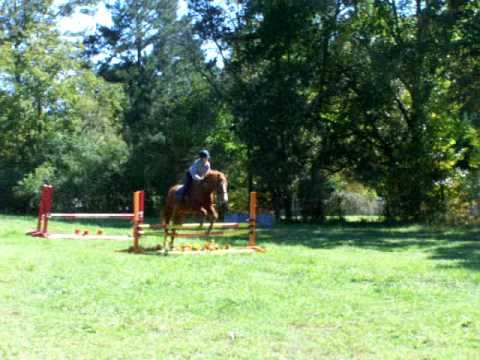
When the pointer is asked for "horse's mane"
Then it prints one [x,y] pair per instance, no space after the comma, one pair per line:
[213,177]
[213,173]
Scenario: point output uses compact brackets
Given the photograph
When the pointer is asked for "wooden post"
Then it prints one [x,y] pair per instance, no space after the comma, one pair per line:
[41,205]
[252,234]
[138,208]
[142,206]
[46,207]
[40,211]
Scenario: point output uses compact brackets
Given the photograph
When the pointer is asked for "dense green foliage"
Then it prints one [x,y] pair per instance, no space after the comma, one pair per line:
[58,119]
[307,95]
[369,87]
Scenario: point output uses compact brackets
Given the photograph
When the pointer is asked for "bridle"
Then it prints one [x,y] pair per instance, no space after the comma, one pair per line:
[222,191]
[220,187]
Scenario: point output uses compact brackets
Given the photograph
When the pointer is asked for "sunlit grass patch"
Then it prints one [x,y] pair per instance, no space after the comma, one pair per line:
[334,292]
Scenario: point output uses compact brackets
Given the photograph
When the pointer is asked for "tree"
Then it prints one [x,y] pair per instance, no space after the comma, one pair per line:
[51,101]
[319,86]
[277,84]
[397,111]
[170,109]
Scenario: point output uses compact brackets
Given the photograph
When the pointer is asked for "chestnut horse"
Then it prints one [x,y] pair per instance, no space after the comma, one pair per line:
[201,200]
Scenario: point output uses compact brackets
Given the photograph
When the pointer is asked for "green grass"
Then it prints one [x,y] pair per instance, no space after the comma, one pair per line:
[353,292]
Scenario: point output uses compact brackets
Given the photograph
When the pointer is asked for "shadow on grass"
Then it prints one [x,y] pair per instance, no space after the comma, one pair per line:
[466,254]
[460,245]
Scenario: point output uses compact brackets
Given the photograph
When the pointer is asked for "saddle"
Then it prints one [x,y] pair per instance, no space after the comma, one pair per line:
[180,194]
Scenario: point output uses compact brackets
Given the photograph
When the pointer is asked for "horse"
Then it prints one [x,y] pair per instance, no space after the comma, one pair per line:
[201,200]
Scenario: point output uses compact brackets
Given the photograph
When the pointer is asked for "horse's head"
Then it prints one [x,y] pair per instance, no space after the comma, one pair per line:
[217,181]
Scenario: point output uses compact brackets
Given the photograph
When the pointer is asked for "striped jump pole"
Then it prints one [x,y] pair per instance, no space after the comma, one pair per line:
[46,204]
[73,216]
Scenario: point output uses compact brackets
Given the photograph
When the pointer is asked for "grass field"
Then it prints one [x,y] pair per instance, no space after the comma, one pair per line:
[331,292]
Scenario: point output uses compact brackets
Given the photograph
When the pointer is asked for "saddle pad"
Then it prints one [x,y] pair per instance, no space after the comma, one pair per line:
[179,193]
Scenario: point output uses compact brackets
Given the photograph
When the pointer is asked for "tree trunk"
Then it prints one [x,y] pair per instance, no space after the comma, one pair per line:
[287,205]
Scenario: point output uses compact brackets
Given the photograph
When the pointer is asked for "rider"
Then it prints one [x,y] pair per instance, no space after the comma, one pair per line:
[197,171]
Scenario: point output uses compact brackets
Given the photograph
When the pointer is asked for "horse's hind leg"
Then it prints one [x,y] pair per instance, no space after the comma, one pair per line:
[170,214]
[172,240]
[177,218]
[165,222]
[203,216]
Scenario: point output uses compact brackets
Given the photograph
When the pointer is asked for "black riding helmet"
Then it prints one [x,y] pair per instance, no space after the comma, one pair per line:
[204,154]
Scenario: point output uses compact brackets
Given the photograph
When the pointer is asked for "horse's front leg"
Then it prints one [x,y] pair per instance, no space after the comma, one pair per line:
[213,215]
